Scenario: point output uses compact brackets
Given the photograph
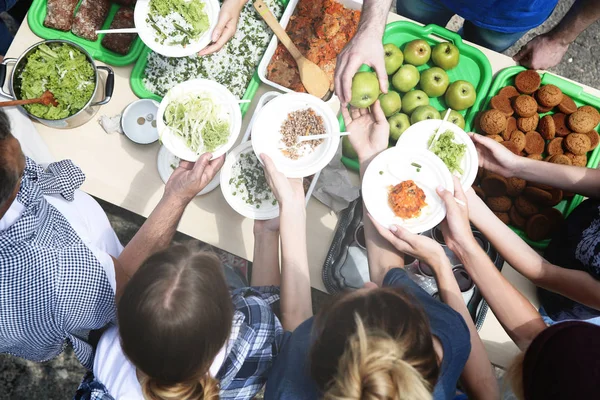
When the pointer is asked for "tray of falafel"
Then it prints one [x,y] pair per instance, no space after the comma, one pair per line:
[544,117]
[430,70]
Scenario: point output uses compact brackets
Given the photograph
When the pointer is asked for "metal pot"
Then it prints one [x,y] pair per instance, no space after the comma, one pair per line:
[101,95]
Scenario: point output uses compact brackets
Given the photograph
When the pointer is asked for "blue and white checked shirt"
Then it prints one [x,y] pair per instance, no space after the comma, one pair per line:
[52,288]
[255,341]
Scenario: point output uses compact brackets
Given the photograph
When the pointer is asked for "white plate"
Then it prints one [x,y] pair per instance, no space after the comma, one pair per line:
[148,36]
[166,160]
[418,135]
[393,166]
[266,211]
[144,133]
[219,93]
[266,134]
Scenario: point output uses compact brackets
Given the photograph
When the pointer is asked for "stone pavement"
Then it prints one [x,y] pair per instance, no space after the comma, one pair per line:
[58,379]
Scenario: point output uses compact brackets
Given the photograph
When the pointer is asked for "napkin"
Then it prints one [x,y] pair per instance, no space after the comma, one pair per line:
[334,188]
[111,124]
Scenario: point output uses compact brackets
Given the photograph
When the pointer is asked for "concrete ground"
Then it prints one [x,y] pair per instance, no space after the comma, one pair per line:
[59,378]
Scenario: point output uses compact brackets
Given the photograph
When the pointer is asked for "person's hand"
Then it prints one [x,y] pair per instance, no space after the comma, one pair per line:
[226,26]
[418,246]
[189,178]
[542,52]
[364,48]
[288,192]
[494,157]
[266,226]
[456,227]
[369,130]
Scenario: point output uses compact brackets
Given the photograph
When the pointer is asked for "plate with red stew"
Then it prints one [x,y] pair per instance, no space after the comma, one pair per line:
[399,188]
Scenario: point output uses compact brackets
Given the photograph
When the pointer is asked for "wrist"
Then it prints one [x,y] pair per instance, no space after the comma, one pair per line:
[438,261]
[176,200]
[466,248]
[561,38]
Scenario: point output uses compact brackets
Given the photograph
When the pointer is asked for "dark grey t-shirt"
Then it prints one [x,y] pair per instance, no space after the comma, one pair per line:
[290,375]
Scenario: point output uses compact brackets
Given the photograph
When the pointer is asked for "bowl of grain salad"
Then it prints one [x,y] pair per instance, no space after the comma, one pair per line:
[198,116]
[282,122]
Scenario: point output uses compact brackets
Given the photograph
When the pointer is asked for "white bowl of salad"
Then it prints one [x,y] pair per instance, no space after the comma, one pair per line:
[199,116]
[176,28]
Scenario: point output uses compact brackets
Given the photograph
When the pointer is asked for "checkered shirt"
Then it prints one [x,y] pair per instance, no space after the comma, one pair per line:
[255,341]
[52,288]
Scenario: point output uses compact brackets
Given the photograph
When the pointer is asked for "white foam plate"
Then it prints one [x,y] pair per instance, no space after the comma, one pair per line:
[219,93]
[418,135]
[145,133]
[266,135]
[148,36]
[266,211]
[393,166]
[165,162]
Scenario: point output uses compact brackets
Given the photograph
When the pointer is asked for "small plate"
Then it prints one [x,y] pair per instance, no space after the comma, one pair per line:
[139,121]
[266,211]
[266,134]
[393,166]
[219,93]
[148,35]
[167,162]
[418,135]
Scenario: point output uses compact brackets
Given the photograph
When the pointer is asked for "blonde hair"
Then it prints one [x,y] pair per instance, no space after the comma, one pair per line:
[372,368]
[514,376]
[207,388]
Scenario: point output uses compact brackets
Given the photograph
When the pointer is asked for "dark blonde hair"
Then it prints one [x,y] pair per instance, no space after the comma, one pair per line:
[374,345]
[175,315]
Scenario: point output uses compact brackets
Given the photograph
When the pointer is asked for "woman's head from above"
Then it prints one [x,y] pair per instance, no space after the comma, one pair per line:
[562,362]
[374,343]
[175,315]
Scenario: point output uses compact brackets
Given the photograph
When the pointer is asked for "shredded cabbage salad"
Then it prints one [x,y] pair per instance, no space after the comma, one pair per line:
[199,121]
[178,21]
[448,151]
[63,70]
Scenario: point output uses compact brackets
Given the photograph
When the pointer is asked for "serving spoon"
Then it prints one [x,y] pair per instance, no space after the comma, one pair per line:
[47,99]
[313,78]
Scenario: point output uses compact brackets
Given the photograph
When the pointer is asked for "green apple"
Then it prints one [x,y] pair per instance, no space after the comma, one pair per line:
[347,149]
[390,103]
[398,124]
[422,113]
[434,81]
[392,57]
[445,55]
[456,118]
[414,99]
[406,78]
[460,95]
[417,52]
[365,89]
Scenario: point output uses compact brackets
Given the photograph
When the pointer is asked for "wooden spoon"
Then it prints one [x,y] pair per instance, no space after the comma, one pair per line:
[46,99]
[313,78]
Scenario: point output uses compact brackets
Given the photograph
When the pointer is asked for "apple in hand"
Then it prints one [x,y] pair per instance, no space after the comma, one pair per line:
[456,118]
[365,89]
[398,124]
[406,78]
[422,113]
[434,81]
[417,52]
[414,99]
[393,58]
[390,103]
[460,95]
[445,55]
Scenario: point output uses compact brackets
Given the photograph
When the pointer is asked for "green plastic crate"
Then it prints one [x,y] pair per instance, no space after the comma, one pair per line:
[506,77]
[37,14]
[473,67]
[137,79]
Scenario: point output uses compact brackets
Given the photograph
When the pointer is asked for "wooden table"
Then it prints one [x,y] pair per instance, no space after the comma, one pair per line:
[124,173]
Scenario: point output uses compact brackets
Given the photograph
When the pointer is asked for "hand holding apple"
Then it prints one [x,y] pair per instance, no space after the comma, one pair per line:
[365,89]
[369,131]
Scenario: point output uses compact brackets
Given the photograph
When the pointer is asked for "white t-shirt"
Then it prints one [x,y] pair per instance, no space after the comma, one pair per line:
[90,222]
[118,374]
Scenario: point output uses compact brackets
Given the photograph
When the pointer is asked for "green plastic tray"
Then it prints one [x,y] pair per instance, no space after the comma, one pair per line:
[505,78]
[137,79]
[37,14]
[473,67]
